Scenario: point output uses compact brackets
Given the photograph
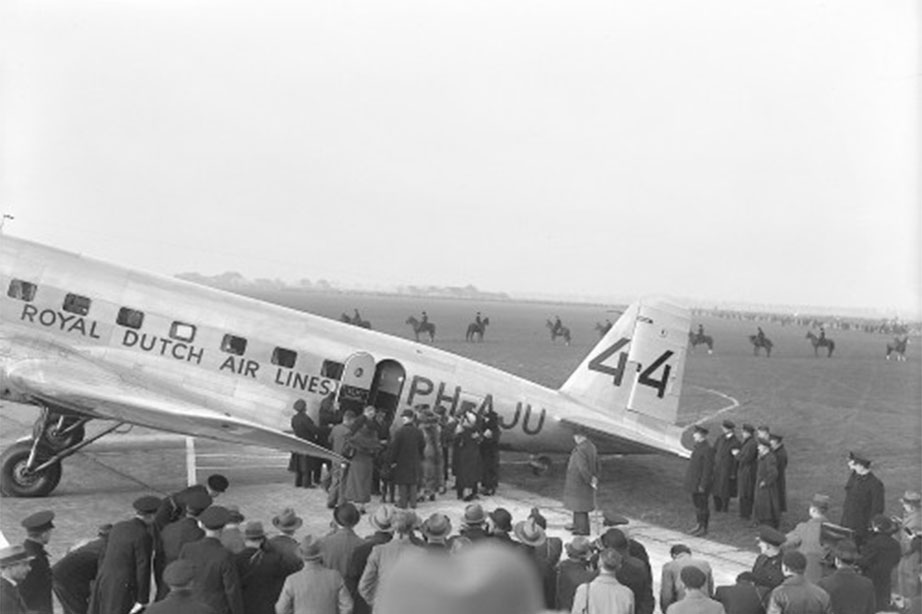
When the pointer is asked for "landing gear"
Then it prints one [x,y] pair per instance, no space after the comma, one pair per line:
[18,479]
[58,431]
[539,464]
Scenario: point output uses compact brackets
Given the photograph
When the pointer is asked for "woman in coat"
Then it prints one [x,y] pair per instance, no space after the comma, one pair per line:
[364,445]
[581,483]
[766,495]
[432,456]
[466,457]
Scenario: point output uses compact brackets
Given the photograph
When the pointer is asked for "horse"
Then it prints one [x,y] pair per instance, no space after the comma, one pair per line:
[476,330]
[818,343]
[897,347]
[356,321]
[419,327]
[764,343]
[695,339]
[603,328]
[563,331]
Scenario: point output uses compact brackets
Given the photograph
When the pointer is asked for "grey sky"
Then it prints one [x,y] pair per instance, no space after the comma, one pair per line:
[765,152]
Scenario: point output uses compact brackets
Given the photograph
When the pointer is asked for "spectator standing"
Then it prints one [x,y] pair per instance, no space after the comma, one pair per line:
[381,482]
[699,476]
[179,576]
[632,573]
[553,546]
[696,600]
[73,575]
[466,457]
[766,570]
[447,426]
[605,594]
[849,591]
[880,554]
[315,589]
[806,538]
[338,435]
[262,571]
[742,597]
[796,594]
[364,445]
[432,455]
[288,523]
[531,536]
[304,428]
[216,582]
[15,563]
[725,486]
[864,497]
[232,536]
[405,456]
[634,547]
[766,493]
[746,460]
[473,523]
[672,588]
[177,534]
[910,565]
[581,482]
[381,521]
[384,558]
[776,443]
[499,526]
[436,530]
[574,571]
[489,451]
[338,547]
[35,588]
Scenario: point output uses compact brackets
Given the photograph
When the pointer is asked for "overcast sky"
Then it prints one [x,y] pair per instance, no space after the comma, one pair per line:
[765,152]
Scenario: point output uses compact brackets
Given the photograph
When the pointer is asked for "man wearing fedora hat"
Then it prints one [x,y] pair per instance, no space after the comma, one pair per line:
[381,521]
[15,564]
[74,574]
[581,482]
[232,536]
[315,589]
[864,496]
[910,533]
[35,588]
[573,571]
[531,536]
[880,554]
[849,591]
[699,477]
[806,538]
[383,558]
[262,571]
[180,577]
[123,580]
[499,525]
[436,530]
[287,522]
[216,580]
[338,546]
[473,523]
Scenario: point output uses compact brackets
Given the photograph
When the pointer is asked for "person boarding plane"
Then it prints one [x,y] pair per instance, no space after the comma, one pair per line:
[86,340]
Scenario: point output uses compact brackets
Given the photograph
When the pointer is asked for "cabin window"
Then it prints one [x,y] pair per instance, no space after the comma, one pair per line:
[182,331]
[22,290]
[74,303]
[234,345]
[332,369]
[284,358]
[132,318]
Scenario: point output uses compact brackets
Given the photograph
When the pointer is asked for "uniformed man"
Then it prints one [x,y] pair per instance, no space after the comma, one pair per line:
[177,534]
[864,497]
[766,571]
[776,443]
[216,582]
[725,467]
[15,564]
[699,477]
[304,428]
[180,576]
[173,507]
[73,575]
[35,588]
[123,581]
[746,460]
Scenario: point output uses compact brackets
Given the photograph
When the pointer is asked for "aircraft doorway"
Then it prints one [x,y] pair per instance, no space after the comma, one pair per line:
[355,386]
[387,386]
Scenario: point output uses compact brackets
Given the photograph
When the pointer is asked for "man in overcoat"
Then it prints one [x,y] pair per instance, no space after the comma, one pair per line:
[405,455]
[304,428]
[380,520]
[806,537]
[849,591]
[466,457]
[73,575]
[179,576]
[581,483]
[725,467]
[699,476]
[746,460]
[173,507]
[864,497]
[176,534]
[489,451]
[337,547]
[766,494]
[35,588]
[797,595]
[742,597]
[123,579]
[880,554]
[776,443]
[766,570]
[15,563]
[216,581]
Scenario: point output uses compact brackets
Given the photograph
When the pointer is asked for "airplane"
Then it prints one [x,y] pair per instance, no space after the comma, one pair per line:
[85,340]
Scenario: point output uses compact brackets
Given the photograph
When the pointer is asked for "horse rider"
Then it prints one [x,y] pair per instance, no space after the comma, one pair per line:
[424,320]
[760,336]
[822,333]
[357,318]
[557,324]
[700,332]
[478,321]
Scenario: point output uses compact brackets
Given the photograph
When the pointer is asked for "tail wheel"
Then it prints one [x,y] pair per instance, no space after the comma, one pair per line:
[17,480]
[540,465]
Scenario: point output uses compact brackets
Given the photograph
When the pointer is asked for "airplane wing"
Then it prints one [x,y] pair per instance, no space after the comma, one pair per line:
[633,436]
[87,387]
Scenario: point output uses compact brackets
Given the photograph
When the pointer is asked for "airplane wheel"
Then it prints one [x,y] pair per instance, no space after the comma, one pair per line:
[53,438]
[540,465]
[17,481]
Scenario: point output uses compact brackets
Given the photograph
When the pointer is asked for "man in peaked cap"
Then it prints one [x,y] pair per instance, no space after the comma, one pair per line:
[806,537]
[699,476]
[746,460]
[15,563]
[725,467]
[767,567]
[123,580]
[73,575]
[176,534]
[35,588]
[216,582]
[765,504]
[180,577]
[776,443]
[864,497]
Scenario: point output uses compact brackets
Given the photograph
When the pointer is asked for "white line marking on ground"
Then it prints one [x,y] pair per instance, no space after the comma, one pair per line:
[733,404]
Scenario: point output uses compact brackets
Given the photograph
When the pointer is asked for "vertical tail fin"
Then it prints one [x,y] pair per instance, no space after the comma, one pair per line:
[638,364]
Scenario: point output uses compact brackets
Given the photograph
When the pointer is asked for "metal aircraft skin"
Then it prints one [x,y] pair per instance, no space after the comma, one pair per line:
[85,339]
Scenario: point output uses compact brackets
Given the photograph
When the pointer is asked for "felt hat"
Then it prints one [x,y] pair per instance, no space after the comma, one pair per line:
[288,520]
[529,533]
[198,501]
[502,519]
[437,527]
[235,517]
[346,515]
[820,502]
[404,521]
[771,536]
[912,498]
[254,530]
[180,572]
[382,519]
[473,515]
[309,549]
[883,524]
[39,521]
[729,424]
[12,555]
[147,504]
[214,518]
[613,519]
[579,548]
[217,482]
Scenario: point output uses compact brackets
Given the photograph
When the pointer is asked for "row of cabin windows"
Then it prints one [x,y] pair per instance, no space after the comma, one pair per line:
[181,331]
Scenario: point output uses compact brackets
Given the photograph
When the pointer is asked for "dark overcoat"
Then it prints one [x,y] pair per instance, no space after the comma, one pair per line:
[124,569]
[357,564]
[725,467]
[864,498]
[781,456]
[765,502]
[746,468]
[880,554]
[36,587]
[466,458]
[304,428]
[74,574]
[173,507]
[768,574]
[177,534]
[849,592]
[216,580]
[740,598]
[405,454]
[262,573]
[570,574]
[10,600]
[578,493]
[699,475]
[180,602]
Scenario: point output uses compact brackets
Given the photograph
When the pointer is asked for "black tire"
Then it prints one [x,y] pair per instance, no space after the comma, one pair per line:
[15,482]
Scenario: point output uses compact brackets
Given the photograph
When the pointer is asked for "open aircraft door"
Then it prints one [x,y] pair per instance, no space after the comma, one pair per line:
[355,386]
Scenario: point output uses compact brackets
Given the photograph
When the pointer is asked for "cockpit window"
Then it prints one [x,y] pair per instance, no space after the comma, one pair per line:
[132,318]
[74,303]
[182,331]
[234,345]
[22,290]
[284,358]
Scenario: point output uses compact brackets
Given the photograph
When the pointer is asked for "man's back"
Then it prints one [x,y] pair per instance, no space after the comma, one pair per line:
[672,588]
[740,598]
[797,595]
[604,595]
[314,589]
[696,602]
[849,592]
[216,580]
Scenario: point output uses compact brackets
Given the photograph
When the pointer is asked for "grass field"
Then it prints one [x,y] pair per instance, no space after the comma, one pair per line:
[824,407]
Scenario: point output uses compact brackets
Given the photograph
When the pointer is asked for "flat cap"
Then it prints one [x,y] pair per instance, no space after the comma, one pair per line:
[771,536]
[820,502]
[198,501]
[235,516]
[180,572]
[39,521]
[214,518]
[775,437]
[701,429]
[846,550]
[11,555]
[613,519]
[147,504]
[749,428]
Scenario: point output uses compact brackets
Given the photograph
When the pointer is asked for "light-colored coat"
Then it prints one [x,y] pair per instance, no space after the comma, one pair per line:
[314,590]
[578,493]
[380,563]
[696,602]
[337,549]
[672,589]
[604,595]
[910,562]
[805,537]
